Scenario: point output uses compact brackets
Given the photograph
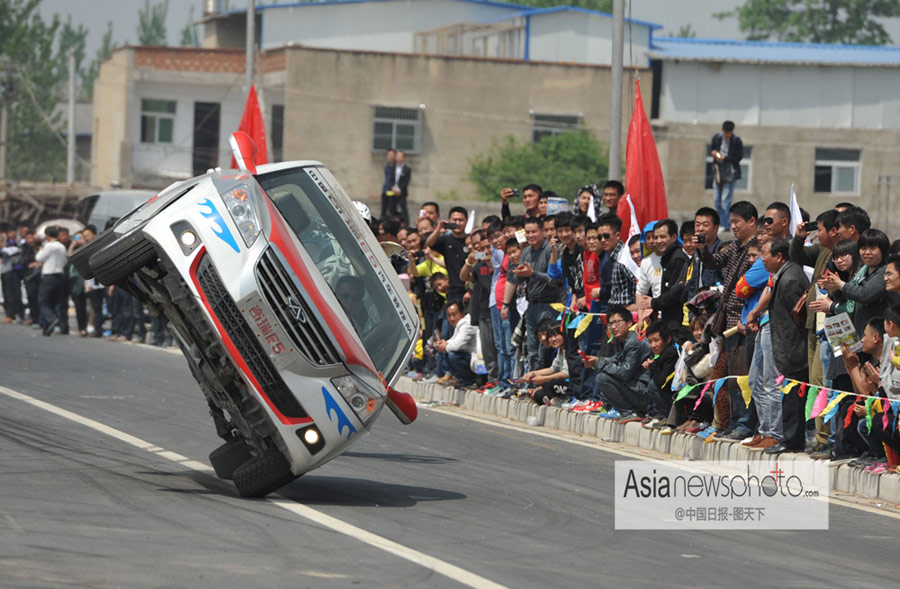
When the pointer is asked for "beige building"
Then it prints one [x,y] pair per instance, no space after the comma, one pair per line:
[825,118]
[164,114]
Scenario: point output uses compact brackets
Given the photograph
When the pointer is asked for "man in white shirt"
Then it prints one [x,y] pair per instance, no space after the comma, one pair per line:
[52,259]
[461,345]
[650,275]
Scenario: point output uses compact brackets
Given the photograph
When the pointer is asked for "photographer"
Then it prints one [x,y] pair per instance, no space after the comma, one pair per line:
[449,240]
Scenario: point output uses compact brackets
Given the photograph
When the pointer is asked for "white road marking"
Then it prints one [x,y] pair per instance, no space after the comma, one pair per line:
[441,567]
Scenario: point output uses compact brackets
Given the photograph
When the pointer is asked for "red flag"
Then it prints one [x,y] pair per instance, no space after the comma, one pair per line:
[643,174]
[252,124]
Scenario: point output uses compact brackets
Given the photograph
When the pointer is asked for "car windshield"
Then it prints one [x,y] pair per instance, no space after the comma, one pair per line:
[336,252]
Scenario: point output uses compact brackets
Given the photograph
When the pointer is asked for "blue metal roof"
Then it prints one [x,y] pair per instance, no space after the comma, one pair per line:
[515,9]
[302,4]
[538,11]
[670,48]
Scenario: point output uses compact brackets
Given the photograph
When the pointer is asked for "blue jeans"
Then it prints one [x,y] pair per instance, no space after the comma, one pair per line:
[724,193]
[505,352]
[459,367]
[765,391]
[533,315]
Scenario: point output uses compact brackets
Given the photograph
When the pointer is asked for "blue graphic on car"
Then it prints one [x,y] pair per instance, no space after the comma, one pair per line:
[342,419]
[217,223]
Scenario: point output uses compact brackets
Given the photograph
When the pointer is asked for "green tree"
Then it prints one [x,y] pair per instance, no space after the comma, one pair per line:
[90,73]
[851,22]
[152,23]
[562,163]
[188,35]
[36,51]
[685,32]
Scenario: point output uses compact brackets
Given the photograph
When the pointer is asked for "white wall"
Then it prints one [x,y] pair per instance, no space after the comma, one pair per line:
[584,38]
[369,26]
[781,95]
[174,159]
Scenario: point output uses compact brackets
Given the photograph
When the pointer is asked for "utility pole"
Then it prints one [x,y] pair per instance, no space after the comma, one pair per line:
[251,43]
[6,92]
[615,97]
[70,147]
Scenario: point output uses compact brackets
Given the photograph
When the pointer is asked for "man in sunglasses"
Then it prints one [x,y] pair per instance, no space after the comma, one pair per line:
[777,222]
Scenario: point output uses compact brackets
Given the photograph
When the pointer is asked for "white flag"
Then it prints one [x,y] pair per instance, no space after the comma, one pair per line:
[592,214]
[470,223]
[796,215]
[625,260]
[634,229]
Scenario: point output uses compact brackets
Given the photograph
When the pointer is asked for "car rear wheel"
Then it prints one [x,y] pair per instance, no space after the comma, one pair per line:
[82,256]
[123,257]
[263,475]
[229,457]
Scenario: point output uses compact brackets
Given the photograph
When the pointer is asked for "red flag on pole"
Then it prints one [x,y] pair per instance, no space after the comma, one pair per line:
[253,125]
[643,174]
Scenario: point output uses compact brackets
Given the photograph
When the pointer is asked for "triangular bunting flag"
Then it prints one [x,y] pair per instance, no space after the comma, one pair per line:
[685,391]
[779,379]
[583,325]
[802,391]
[811,400]
[702,394]
[833,405]
[819,405]
[869,410]
[719,384]
[746,393]
[558,307]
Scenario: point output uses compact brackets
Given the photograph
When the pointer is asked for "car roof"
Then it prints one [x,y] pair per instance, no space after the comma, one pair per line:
[266,168]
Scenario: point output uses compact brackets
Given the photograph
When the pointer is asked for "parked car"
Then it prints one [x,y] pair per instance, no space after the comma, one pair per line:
[286,308]
[101,209]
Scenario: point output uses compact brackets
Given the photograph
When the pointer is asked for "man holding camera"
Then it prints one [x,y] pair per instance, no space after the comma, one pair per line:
[727,150]
[449,240]
[531,198]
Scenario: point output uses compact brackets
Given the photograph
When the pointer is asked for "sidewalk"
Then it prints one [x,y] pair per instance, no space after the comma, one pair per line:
[844,479]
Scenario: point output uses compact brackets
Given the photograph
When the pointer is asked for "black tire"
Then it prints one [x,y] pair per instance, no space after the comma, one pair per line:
[122,258]
[263,475]
[81,258]
[229,457]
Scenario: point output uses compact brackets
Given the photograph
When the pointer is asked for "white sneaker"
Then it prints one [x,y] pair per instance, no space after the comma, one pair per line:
[430,380]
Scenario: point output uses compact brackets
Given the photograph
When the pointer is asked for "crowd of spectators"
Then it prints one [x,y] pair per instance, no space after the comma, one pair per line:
[565,310]
[40,286]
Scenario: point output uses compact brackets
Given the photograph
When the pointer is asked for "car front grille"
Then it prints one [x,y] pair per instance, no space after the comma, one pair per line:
[293,312]
[246,342]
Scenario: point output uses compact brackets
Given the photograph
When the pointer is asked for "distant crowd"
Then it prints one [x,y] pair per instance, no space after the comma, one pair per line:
[40,286]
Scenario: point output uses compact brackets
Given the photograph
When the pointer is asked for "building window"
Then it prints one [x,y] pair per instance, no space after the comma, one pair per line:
[157,120]
[837,170]
[544,125]
[277,132]
[742,185]
[396,128]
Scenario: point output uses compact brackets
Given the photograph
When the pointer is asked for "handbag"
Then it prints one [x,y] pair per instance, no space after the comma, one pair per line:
[724,172]
[798,313]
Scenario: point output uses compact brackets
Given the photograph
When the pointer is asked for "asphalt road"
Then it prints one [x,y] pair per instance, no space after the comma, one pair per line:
[478,504]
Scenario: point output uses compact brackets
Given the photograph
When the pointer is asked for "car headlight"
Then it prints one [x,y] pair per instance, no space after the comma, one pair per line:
[239,204]
[360,399]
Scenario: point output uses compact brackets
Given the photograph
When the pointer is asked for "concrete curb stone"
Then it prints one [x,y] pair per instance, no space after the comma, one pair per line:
[842,478]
